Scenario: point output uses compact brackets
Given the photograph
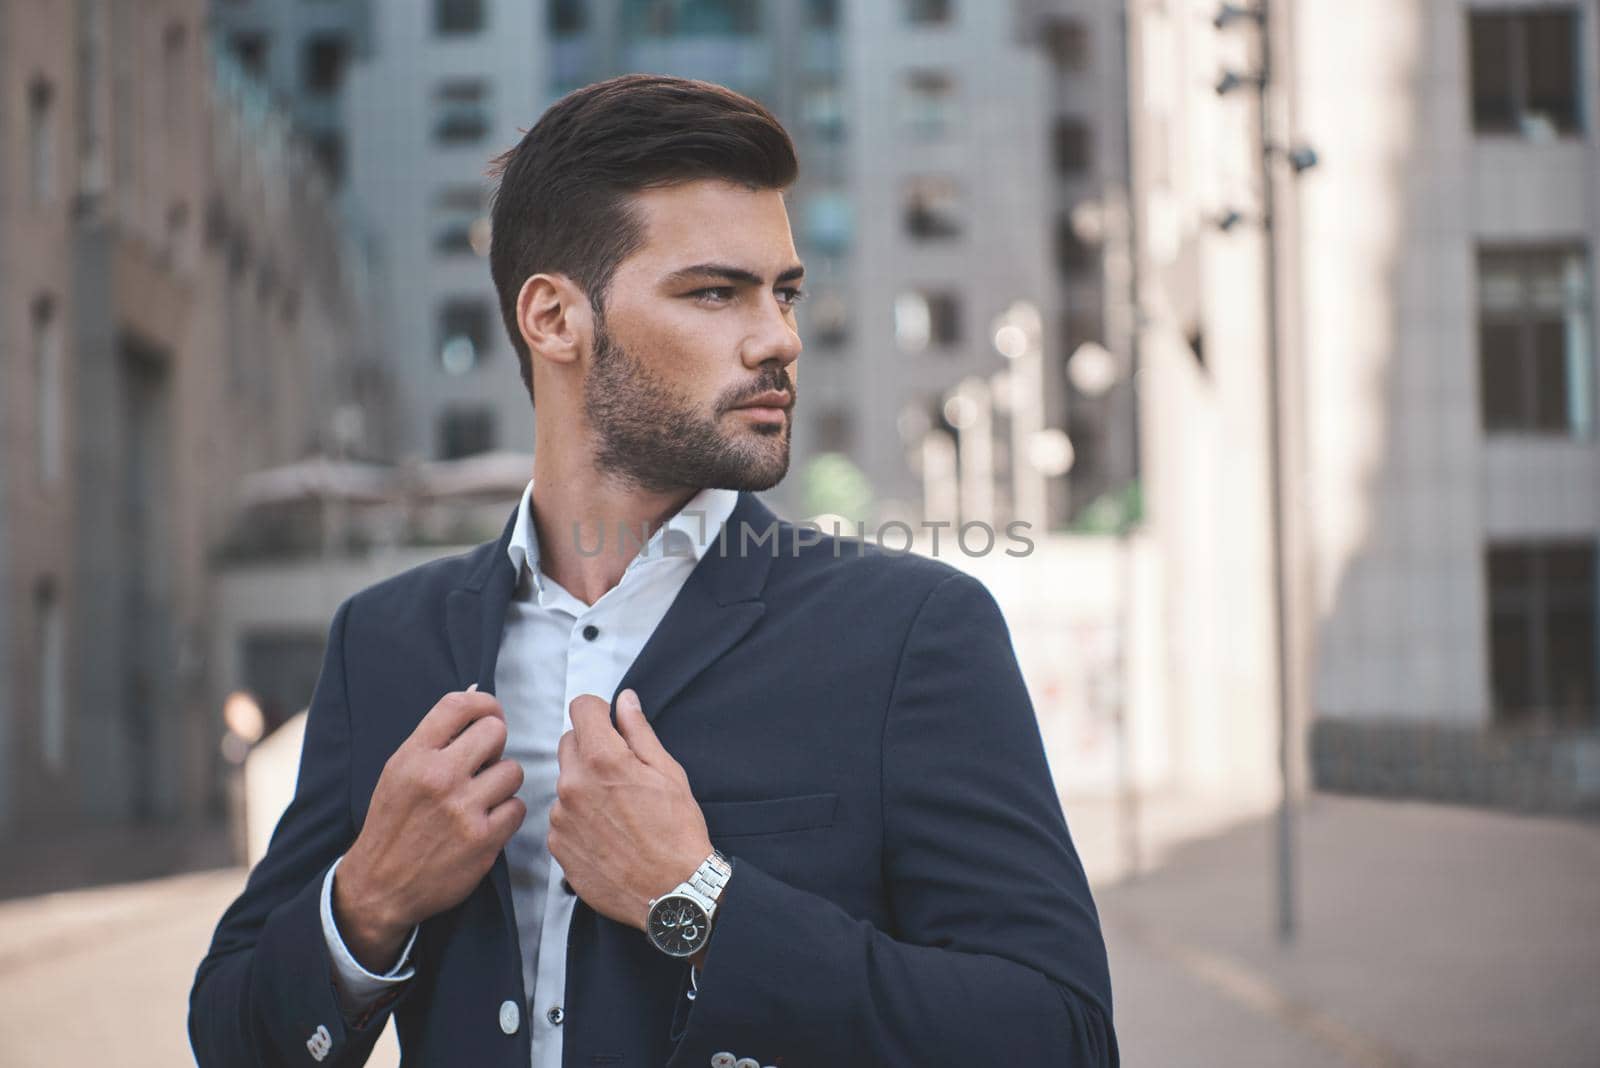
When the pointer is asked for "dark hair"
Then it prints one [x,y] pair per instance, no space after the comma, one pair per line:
[561,204]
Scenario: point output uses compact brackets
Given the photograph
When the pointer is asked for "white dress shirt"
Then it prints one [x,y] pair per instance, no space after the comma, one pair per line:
[554,648]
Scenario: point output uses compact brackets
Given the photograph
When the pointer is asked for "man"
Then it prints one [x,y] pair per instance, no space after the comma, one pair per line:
[819,832]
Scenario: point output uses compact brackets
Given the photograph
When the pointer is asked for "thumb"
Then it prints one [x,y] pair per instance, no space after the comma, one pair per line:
[638,733]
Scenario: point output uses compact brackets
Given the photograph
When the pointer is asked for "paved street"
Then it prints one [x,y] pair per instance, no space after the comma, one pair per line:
[1431,936]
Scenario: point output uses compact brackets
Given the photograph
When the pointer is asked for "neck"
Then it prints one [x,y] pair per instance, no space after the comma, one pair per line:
[576,507]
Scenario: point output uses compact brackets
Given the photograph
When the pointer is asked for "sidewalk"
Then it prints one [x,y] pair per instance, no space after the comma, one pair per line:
[1430,936]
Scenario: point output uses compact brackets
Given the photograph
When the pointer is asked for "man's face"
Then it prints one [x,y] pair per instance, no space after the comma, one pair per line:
[698,324]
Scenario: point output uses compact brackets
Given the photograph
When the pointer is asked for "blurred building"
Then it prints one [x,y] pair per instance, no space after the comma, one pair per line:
[300,52]
[1438,294]
[175,288]
[934,137]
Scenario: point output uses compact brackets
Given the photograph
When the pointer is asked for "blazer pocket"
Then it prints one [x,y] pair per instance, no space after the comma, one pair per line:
[727,819]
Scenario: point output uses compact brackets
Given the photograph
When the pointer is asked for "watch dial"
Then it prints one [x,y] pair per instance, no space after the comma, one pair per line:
[678,926]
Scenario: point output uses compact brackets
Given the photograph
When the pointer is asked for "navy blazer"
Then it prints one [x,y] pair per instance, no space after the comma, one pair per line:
[855,727]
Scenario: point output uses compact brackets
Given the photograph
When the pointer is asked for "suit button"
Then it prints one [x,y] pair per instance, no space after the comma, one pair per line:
[555,1016]
[722,1060]
[510,1017]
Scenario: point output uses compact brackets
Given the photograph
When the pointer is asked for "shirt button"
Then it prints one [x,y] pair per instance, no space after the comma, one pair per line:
[590,632]
[510,1017]
[555,1016]
[722,1060]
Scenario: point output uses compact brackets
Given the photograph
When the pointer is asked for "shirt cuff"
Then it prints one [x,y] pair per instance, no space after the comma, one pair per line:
[358,988]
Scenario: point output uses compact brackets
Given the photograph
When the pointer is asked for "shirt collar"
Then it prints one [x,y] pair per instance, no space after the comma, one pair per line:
[688,533]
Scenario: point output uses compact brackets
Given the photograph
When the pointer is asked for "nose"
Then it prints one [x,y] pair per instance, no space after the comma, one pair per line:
[774,337]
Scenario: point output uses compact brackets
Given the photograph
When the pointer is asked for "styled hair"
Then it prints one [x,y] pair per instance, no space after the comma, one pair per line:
[562,203]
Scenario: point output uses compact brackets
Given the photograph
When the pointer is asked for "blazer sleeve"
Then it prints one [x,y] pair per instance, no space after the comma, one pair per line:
[264,993]
[996,956]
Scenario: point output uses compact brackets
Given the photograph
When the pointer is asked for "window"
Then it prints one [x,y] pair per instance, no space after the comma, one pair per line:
[1070,142]
[926,318]
[328,147]
[1074,256]
[825,321]
[829,222]
[456,17]
[463,334]
[47,380]
[568,18]
[460,224]
[688,18]
[1066,42]
[822,111]
[1525,72]
[929,12]
[1542,651]
[250,49]
[323,62]
[174,78]
[822,14]
[465,432]
[50,635]
[928,104]
[932,208]
[41,141]
[1535,355]
[462,112]
[835,430]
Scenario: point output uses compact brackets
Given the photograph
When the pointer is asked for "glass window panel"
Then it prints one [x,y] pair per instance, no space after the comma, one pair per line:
[1570,664]
[1551,40]
[1510,667]
[1499,378]
[1494,107]
[1550,396]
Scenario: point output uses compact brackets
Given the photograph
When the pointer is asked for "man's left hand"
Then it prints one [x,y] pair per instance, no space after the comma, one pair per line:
[625,826]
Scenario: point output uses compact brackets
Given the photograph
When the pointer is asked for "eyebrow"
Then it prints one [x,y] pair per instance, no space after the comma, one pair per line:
[729,273]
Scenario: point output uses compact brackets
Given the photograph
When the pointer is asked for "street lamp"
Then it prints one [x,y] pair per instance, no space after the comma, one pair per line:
[1300,159]
[1017,335]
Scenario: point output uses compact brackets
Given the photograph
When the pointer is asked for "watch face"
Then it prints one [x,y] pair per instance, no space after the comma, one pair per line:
[678,925]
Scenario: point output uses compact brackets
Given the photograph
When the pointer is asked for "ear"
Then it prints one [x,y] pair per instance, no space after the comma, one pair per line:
[554,317]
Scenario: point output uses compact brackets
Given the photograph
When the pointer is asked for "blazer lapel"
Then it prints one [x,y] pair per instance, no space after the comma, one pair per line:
[475,616]
[717,606]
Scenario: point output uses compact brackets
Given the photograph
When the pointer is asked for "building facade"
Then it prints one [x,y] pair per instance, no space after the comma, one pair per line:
[1437,297]
[173,293]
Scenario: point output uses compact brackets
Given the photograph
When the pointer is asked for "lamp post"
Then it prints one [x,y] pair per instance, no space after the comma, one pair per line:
[1300,160]
[1018,336]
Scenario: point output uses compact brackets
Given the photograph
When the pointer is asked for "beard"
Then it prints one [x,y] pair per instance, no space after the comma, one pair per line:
[649,435]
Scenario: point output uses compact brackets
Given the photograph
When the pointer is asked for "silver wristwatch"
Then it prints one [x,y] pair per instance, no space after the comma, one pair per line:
[679,921]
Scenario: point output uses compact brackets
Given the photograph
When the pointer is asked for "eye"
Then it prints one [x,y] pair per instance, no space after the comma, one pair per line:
[714,294]
[791,295]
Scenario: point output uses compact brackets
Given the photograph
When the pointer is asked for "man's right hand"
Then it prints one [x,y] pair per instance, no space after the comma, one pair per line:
[444,807]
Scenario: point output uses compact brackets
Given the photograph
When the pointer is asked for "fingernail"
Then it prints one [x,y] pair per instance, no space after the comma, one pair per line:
[471,688]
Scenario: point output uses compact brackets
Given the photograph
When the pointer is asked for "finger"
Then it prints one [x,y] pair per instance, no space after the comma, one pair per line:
[494,784]
[483,742]
[505,818]
[454,712]
[566,749]
[640,736]
[591,720]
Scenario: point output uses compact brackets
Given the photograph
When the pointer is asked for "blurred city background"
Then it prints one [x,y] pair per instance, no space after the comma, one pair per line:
[1274,320]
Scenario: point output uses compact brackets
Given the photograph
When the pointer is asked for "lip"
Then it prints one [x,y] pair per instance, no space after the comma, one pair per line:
[772,399]
[772,405]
